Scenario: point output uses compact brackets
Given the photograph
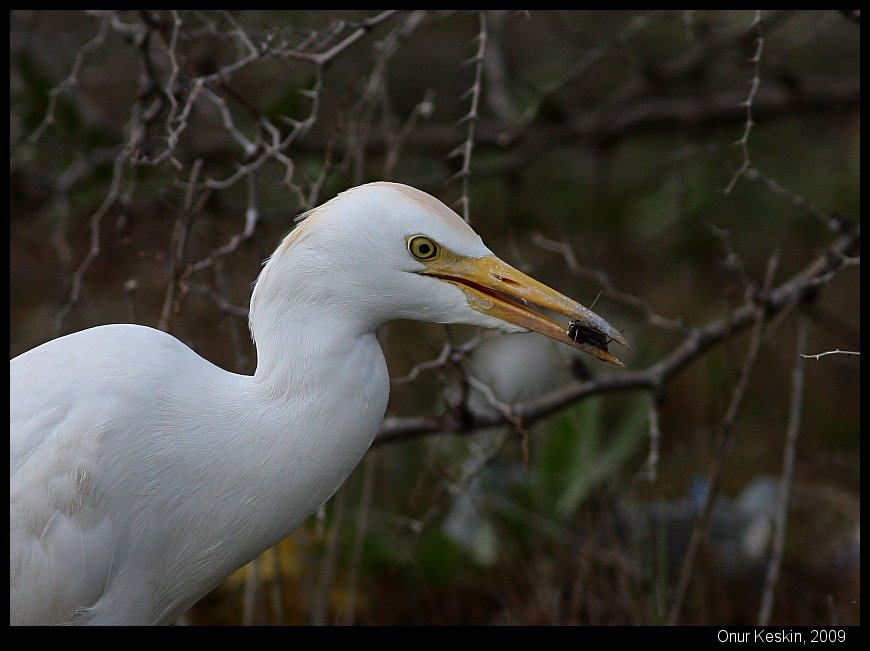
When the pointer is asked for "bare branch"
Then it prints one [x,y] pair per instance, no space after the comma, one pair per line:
[786,478]
[724,445]
[830,352]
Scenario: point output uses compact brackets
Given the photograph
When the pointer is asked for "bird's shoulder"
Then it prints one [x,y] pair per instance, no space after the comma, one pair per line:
[70,399]
[89,381]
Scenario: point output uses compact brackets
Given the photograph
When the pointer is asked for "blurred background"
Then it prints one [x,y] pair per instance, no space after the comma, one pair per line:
[693,174]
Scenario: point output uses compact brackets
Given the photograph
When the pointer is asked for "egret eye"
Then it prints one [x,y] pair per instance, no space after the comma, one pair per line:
[422,248]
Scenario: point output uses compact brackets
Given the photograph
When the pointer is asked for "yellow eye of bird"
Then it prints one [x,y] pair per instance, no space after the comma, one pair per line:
[422,248]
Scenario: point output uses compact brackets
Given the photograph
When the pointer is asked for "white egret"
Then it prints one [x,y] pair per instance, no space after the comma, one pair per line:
[141,475]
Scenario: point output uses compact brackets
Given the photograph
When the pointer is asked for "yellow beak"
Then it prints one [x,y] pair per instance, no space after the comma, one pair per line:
[496,288]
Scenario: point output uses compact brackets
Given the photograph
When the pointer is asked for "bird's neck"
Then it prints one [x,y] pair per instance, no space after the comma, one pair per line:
[309,415]
[322,380]
[326,388]
[298,321]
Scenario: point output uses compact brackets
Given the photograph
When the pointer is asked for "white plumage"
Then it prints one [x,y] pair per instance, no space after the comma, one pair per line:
[141,475]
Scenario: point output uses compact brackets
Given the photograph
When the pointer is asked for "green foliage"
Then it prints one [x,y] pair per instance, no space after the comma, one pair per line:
[581,451]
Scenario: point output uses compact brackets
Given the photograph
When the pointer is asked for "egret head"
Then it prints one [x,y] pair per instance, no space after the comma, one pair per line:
[386,251]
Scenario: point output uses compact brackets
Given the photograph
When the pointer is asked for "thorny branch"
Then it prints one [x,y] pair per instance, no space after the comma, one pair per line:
[467,147]
[743,142]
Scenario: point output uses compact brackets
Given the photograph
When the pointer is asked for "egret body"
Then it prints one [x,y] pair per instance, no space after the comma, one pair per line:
[141,475]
